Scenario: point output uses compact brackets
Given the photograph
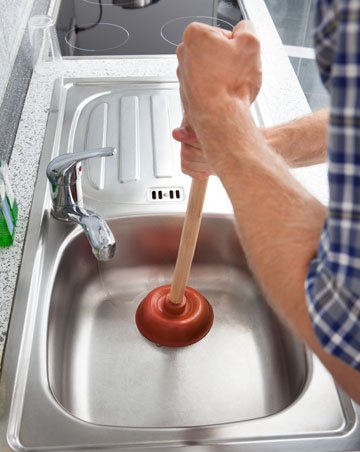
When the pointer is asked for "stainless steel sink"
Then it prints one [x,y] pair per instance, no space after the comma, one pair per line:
[103,371]
[77,373]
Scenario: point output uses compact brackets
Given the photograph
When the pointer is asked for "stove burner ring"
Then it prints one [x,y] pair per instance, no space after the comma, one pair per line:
[96,2]
[89,28]
[177,26]
[123,3]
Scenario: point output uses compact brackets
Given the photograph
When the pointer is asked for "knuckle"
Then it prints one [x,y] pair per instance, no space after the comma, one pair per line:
[251,42]
[192,31]
[189,32]
[179,51]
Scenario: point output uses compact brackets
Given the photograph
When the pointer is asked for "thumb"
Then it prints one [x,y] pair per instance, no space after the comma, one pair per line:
[184,133]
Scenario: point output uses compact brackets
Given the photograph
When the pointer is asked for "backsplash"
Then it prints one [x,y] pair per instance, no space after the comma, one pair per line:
[13,20]
[15,70]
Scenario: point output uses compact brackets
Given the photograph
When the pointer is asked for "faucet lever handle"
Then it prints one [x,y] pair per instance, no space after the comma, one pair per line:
[62,170]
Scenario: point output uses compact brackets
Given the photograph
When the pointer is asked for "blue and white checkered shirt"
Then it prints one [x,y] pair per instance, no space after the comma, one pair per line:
[333,280]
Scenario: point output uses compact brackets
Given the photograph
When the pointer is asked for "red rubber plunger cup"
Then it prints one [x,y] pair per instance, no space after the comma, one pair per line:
[178,315]
[174,325]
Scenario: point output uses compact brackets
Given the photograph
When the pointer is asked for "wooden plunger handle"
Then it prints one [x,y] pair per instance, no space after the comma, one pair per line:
[188,240]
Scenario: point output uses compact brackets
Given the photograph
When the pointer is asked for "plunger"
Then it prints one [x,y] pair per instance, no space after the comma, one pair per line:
[178,315]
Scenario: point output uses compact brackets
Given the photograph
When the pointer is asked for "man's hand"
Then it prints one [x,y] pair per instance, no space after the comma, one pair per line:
[216,62]
[217,68]
[301,142]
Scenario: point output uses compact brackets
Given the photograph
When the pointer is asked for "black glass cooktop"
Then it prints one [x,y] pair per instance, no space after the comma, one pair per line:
[136,27]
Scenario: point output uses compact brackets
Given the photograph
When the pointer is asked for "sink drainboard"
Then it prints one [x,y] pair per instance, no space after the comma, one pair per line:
[137,119]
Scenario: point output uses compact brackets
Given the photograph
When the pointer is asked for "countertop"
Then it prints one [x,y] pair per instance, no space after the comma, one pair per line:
[281,91]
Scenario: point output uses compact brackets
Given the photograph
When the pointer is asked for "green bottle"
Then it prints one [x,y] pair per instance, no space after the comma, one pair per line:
[8,208]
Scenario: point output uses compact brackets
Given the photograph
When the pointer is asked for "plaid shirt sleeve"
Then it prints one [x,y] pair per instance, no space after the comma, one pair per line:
[333,280]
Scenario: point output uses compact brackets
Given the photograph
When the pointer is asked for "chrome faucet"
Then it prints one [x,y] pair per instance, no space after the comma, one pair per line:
[64,174]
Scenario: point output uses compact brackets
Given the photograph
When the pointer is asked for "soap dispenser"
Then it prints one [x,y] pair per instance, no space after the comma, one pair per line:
[8,208]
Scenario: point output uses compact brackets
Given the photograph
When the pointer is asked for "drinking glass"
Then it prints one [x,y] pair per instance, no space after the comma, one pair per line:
[46,55]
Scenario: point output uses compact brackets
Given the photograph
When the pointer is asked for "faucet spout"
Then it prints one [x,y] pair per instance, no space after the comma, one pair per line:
[97,231]
[64,174]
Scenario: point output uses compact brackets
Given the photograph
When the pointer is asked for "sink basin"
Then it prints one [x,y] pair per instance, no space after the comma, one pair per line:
[78,375]
[102,370]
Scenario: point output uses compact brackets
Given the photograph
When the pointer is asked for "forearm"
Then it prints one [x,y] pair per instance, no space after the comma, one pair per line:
[301,142]
[280,234]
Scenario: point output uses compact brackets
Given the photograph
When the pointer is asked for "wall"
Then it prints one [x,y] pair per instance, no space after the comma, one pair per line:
[15,70]
[13,20]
